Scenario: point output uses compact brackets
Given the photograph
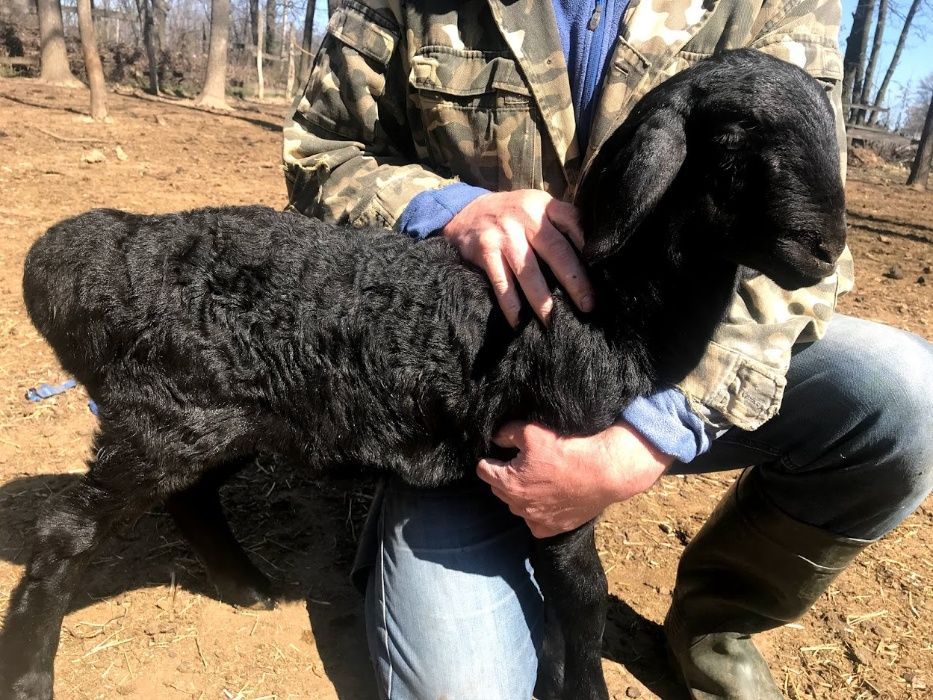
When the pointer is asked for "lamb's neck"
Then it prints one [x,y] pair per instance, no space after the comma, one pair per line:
[669,295]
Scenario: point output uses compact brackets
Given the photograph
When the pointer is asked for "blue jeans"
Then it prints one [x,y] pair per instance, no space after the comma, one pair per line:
[452,609]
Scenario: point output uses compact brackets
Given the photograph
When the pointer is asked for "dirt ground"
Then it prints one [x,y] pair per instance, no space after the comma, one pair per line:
[146,623]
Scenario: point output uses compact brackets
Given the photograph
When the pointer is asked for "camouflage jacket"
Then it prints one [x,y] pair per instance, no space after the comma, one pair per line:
[408,96]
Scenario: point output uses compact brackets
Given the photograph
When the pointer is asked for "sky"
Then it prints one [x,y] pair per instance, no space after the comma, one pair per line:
[917,58]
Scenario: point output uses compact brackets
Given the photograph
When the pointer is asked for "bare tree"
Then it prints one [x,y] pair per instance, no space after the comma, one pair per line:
[54,55]
[898,50]
[144,7]
[853,65]
[920,171]
[159,22]
[260,41]
[270,27]
[214,90]
[864,95]
[307,38]
[254,21]
[286,27]
[95,72]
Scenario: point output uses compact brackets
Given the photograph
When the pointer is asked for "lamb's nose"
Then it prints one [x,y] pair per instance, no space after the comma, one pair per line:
[824,253]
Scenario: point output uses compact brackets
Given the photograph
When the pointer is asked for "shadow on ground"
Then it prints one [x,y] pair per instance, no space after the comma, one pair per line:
[300,538]
[303,538]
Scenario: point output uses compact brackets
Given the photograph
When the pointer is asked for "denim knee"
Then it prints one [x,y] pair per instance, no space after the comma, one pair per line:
[893,396]
[864,453]
[452,609]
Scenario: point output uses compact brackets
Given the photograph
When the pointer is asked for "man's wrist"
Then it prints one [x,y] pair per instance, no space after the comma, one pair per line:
[630,464]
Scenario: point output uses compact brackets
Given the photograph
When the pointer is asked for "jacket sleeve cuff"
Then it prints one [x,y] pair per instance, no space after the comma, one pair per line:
[666,421]
[432,210]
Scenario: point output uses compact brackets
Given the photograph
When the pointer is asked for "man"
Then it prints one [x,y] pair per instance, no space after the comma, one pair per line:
[476,120]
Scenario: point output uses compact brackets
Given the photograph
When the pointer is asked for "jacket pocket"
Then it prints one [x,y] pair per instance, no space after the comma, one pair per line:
[478,120]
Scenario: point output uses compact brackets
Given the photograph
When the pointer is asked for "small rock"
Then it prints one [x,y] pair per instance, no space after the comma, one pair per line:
[121,154]
[895,273]
[665,528]
[160,120]
[927,269]
[921,280]
[632,692]
[884,239]
[95,155]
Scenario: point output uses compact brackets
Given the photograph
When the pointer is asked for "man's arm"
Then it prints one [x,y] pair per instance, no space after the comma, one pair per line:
[347,148]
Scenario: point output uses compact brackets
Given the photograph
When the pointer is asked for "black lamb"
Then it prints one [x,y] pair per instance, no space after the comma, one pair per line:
[210,336]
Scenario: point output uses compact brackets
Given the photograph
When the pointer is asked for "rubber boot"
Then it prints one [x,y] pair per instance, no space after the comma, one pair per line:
[750,568]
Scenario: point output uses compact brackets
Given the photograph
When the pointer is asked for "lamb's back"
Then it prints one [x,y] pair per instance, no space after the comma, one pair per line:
[272,312]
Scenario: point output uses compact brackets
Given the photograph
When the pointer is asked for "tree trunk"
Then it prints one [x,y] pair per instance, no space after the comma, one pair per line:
[254,21]
[921,167]
[214,90]
[853,64]
[864,96]
[270,27]
[290,71]
[307,38]
[901,40]
[95,72]
[148,41]
[260,37]
[286,25]
[159,19]
[332,6]
[54,55]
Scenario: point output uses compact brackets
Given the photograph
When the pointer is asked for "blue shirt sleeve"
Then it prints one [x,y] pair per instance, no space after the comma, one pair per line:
[432,210]
[666,421]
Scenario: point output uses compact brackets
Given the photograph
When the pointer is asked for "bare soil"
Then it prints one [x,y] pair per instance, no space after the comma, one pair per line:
[147,624]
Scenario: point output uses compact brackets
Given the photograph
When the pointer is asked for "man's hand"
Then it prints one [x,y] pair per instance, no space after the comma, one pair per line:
[505,233]
[556,484]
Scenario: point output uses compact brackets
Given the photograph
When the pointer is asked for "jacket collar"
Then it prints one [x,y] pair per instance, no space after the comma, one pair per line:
[643,56]
[649,39]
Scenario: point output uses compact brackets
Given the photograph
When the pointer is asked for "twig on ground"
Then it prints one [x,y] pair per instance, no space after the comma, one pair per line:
[66,139]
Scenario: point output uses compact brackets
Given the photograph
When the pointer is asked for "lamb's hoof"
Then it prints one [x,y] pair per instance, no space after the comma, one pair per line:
[254,596]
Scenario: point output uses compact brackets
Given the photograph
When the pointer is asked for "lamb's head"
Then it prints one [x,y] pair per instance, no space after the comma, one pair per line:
[739,150]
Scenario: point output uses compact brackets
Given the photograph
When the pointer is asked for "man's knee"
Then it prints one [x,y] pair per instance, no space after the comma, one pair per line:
[880,379]
[863,411]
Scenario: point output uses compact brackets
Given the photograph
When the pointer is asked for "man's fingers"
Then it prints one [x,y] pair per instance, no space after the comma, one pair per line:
[560,256]
[521,258]
[541,531]
[566,218]
[503,286]
[493,472]
[512,434]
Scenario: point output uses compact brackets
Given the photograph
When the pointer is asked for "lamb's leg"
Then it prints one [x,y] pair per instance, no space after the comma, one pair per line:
[575,596]
[199,515]
[68,531]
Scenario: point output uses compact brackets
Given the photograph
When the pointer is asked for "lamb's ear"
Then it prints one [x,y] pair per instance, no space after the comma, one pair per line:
[633,171]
